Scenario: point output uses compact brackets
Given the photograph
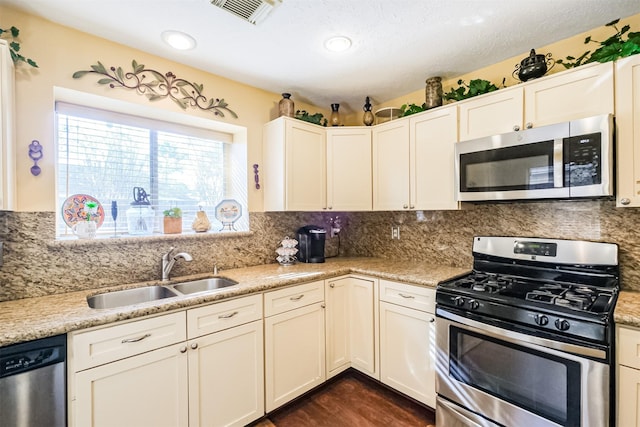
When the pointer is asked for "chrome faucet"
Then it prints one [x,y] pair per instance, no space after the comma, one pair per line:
[168,260]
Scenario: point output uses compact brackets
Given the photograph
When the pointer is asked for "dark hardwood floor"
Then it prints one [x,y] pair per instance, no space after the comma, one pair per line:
[353,400]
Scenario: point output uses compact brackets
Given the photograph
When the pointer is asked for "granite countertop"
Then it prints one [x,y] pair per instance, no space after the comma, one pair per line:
[33,318]
[628,309]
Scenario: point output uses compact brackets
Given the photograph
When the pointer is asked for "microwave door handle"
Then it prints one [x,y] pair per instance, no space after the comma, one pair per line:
[558,163]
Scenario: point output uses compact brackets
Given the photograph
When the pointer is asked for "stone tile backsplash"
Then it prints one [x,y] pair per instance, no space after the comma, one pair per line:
[35,265]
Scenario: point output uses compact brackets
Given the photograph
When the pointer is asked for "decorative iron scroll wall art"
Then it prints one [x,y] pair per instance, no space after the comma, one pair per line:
[155,85]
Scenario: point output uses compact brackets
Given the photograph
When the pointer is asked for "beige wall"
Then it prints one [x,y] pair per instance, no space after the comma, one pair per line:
[60,51]
[573,46]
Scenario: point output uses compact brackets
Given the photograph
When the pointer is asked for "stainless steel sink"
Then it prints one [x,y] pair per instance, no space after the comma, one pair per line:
[129,297]
[204,285]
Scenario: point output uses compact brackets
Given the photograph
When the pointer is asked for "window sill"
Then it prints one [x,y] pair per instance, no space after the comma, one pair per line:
[124,239]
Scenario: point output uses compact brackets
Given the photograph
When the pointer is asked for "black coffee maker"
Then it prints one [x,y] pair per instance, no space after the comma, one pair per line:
[311,243]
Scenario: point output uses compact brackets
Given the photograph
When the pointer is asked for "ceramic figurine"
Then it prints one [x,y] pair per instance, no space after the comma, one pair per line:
[201,223]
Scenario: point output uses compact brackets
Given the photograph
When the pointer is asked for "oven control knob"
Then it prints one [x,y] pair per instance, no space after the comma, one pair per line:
[458,301]
[562,324]
[473,304]
[541,319]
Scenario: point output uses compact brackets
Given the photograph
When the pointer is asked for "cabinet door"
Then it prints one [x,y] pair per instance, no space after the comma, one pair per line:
[628,397]
[407,354]
[148,390]
[337,326]
[391,166]
[7,143]
[305,166]
[582,92]
[349,181]
[433,136]
[491,114]
[628,131]
[294,354]
[362,326]
[226,377]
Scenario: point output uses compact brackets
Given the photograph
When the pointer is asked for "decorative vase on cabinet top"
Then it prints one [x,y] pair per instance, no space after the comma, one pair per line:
[367,117]
[334,119]
[286,105]
[433,92]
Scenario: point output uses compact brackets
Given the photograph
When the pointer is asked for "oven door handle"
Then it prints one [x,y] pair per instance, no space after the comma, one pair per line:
[521,339]
[448,412]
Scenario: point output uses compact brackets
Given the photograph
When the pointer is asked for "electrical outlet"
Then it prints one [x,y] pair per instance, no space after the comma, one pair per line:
[395,232]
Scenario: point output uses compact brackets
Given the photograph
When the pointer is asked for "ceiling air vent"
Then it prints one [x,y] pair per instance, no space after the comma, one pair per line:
[253,11]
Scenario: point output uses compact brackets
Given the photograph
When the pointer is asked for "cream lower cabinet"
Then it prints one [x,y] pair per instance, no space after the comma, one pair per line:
[351,325]
[294,335]
[628,376]
[628,131]
[407,340]
[138,375]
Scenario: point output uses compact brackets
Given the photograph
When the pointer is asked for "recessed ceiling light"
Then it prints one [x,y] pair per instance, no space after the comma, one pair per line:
[178,40]
[338,43]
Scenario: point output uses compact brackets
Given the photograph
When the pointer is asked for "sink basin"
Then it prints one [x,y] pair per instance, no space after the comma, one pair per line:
[204,285]
[129,297]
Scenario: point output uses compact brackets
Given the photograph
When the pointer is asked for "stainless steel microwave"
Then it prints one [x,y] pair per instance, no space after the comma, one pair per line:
[564,160]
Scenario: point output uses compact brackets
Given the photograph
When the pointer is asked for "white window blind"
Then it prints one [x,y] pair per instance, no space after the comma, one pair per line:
[106,154]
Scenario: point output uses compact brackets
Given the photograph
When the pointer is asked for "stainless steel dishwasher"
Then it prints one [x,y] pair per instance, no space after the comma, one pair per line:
[33,383]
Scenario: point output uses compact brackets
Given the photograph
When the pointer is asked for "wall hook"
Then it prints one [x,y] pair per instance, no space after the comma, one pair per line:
[35,154]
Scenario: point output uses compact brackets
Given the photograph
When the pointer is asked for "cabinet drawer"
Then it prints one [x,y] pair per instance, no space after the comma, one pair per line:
[411,296]
[282,300]
[216,317]
[97,347]
[628,340]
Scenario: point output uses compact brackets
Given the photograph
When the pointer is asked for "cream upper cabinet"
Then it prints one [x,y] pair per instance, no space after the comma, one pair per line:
[349,169]
[7,143]
[407,340]
[351,325]
[294,173]
[391,160]
[491,114]
[573,94]
[294,342]
[432,137]
[578,93]
[628,131]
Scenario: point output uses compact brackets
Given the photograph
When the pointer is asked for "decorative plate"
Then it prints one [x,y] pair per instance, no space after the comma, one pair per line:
[228,211]
[74,210]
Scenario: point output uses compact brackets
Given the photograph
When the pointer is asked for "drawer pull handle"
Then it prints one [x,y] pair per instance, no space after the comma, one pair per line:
[227,316]
[298,298]
[406,296]
[129,340]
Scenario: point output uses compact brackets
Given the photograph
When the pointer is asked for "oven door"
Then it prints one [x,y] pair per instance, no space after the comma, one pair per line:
[513,379]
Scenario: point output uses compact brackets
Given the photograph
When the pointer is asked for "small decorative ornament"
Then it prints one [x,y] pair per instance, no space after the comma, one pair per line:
[367,117]
[140,216]
[228,212]
[334,119]
[533,66]
[201,224]
[287,252]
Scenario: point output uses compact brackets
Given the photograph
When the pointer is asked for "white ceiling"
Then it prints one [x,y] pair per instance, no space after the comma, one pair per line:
[397,44]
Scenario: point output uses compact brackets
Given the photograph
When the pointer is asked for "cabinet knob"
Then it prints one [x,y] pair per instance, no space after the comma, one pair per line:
[405,206]
[332,285]
[625,201]
[330,207]
[433,319]
[324,209]
[516,127]
[183,349]
[323,305]
[194,345]
[529,125]
[412,207]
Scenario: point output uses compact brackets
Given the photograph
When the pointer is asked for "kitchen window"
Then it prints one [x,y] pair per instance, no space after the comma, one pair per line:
[106,155]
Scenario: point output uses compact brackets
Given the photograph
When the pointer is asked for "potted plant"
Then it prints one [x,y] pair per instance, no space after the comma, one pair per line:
[172,221]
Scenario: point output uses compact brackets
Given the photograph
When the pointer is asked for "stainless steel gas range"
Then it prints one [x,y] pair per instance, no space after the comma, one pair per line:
[527,338]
